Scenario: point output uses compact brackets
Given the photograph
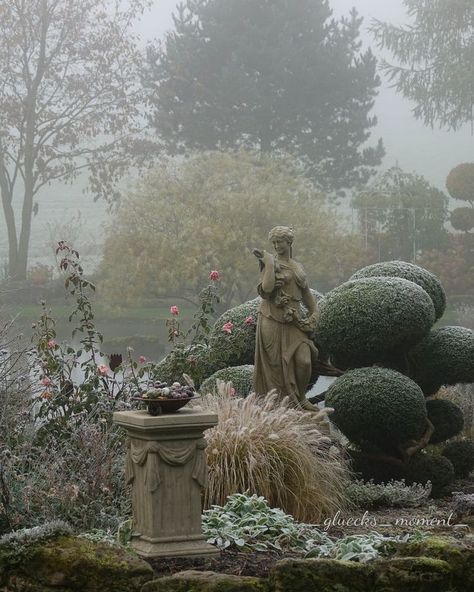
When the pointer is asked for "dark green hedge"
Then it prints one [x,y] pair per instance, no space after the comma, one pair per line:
[195,361]
[408,271]
[368,468]
[447,419]
[424,467]
[373,320]
[240,376]
[377,407]
[445,356]
[461,455]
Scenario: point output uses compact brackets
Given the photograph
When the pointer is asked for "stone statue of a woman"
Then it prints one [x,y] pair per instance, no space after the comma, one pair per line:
[284,352]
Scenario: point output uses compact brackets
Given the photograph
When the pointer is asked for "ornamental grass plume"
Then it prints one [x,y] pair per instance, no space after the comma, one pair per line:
[266,447]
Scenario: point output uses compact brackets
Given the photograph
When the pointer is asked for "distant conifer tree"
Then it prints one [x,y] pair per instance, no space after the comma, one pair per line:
[276,75]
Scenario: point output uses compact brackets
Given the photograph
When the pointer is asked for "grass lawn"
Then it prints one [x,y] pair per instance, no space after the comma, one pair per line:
[61,312]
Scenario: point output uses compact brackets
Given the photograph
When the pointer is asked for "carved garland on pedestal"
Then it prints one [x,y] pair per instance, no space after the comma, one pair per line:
[152,453]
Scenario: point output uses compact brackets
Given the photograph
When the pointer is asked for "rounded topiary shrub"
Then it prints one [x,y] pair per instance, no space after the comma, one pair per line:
[377,406]
[445,356]
[369,468]
[240,376]
[373,320]
[424,467]
[446,417]
[461,455]
[196,361]
[408,271]
[462,219]
[460,182]
[232,338]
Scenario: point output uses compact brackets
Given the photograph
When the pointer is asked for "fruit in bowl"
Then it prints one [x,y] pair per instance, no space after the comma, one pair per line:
[161,398]
[161,390]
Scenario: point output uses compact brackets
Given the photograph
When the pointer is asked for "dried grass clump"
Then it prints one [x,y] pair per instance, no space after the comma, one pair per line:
[264,446]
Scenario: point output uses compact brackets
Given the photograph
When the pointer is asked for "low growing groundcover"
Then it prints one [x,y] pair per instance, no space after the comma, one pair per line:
[253,537]
[262,550]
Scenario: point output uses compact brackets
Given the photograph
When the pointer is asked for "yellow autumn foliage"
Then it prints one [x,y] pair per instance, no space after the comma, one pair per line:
[206,213]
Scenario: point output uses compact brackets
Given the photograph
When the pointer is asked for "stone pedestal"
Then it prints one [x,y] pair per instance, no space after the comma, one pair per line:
[167,469]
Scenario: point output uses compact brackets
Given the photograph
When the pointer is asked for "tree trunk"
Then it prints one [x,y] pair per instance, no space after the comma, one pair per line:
[7,196]
[24,242]
[30,149]
[27,209]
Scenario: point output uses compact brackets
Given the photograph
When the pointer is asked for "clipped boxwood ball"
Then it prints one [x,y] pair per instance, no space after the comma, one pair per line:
[194,360]
[462,219]
[377,406]
[240,376]
[461,455]
[368,468]
[445,356]
[424,467]
[460,182]
[408,271]
[447,419]
[232,338]
[372,320]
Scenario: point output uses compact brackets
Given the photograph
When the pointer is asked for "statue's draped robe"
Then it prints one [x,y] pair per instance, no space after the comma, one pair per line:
[278,335]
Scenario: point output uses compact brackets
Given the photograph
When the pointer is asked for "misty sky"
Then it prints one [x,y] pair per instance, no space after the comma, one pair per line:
[408,142]
[431,153]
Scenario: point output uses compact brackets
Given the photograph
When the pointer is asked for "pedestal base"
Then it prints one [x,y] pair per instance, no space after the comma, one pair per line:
[166,467]
[193,548]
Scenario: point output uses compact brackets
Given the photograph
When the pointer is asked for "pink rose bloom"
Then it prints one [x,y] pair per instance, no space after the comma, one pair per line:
[174,310]
[214,275]
[52,344]
[102,369]
[142,359]
[227,327]
[249,321]
[46,381]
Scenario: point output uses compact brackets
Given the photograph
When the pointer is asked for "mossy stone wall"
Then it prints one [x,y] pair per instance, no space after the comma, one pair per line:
[72,564]
[69,564]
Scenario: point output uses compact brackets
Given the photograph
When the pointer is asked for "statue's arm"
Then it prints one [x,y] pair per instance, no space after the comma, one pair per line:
[310,302]
[267,283]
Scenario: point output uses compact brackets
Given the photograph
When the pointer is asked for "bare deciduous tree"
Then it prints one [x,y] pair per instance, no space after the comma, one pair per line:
[69,101]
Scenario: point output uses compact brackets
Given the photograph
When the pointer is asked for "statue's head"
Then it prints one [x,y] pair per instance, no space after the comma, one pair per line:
[282,233]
